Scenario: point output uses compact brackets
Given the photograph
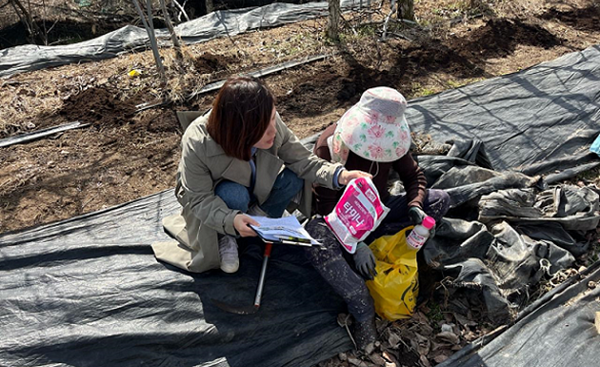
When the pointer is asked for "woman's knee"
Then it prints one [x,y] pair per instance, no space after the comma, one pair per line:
[236,196]
[439,203]
[330,249]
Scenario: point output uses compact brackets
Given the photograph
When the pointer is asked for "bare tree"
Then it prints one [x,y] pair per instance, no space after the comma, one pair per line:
[406,9]
[333,23]
[27,20]
[181,11]
[153,44]
[174,37]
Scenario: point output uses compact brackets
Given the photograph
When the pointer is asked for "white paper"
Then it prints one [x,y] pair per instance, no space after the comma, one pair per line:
[272,228]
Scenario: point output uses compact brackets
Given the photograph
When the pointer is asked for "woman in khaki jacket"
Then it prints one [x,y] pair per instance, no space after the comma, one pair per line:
[240,158]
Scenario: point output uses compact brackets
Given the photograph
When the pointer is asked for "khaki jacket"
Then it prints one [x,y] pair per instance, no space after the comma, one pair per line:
[204,165]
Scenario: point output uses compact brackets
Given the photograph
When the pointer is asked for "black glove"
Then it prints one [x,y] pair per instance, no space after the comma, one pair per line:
[365,261]
[416,215]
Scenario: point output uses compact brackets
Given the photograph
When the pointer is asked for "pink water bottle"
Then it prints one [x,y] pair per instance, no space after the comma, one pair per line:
[419,235]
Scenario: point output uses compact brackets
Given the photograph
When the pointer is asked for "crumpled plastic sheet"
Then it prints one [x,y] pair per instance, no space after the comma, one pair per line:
[515,231]
[575,208]
[556,330]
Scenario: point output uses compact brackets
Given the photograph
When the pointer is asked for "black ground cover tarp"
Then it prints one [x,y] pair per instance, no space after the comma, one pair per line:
[88,291]
[538,120]
[557,331]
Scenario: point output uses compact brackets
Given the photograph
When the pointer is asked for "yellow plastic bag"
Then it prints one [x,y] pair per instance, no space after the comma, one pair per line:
[396,286]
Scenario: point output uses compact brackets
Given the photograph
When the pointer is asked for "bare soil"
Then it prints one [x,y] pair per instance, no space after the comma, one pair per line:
[125,154]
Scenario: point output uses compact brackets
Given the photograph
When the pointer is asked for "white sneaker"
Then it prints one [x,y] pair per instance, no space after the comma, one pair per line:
[228,250]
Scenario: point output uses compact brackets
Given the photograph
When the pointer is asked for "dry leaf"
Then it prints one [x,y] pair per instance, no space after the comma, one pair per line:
[424,361]
[448,336]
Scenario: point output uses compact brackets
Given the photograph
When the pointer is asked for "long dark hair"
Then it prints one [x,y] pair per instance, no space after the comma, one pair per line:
[240,115]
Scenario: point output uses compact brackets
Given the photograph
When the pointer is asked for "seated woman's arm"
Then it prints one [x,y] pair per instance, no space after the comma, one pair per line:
[300,160]
[198,185]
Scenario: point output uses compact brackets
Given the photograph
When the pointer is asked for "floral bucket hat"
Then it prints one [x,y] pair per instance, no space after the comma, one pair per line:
[375,128]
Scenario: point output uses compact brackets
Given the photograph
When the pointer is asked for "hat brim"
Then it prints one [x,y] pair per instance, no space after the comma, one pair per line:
[374,137]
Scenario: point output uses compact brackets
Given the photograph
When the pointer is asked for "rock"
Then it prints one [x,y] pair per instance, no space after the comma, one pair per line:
[343,357]
[394,340]
[447,328]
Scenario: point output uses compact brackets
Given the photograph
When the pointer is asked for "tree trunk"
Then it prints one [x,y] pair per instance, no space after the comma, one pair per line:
[333,24]
[210,6]
[174,37]
[32,27]
[153,44]
[406,9]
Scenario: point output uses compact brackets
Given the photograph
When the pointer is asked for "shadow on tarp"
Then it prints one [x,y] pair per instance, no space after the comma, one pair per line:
[88,291]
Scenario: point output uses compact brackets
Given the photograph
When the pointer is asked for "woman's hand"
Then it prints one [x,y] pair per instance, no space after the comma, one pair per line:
[241,222]
[347,176]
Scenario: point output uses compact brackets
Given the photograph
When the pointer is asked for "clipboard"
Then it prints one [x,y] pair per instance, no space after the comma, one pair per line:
[286,230]
[274,239]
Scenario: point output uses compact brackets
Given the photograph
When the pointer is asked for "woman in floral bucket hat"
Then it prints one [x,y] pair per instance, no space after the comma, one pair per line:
[372,136]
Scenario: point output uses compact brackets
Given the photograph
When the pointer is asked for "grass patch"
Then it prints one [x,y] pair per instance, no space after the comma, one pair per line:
[591,176]
[435,312]
[418,90]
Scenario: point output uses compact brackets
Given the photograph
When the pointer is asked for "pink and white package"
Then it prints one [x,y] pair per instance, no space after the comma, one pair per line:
[358,212]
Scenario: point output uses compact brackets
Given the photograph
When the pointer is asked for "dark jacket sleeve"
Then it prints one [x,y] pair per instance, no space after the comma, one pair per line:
[324,199]
[413,179]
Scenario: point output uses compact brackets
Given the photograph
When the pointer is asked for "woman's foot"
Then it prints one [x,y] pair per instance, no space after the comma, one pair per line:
[228,250]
